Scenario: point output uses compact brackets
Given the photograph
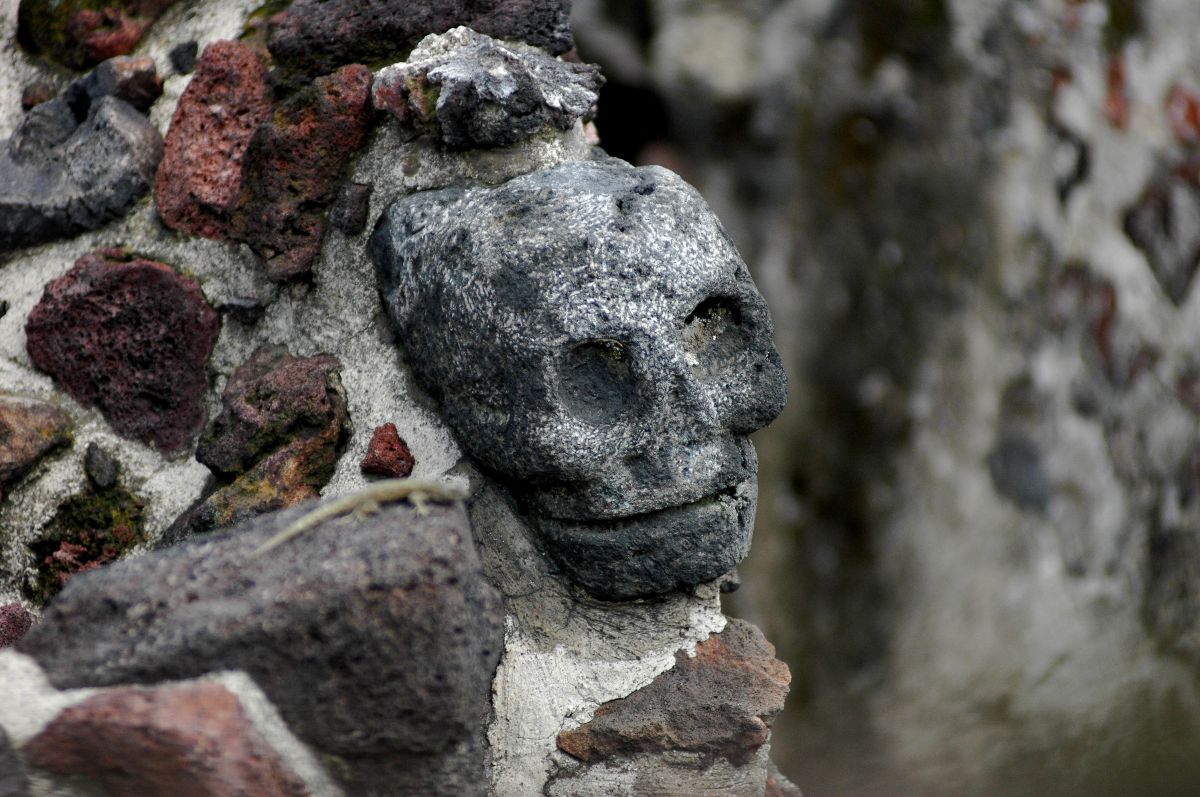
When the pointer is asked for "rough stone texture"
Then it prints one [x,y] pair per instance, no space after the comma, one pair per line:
[316,37]
[350,209]
[15,621]
[13,782]
[28,430]
[100,466]
[79,33]
[718,703]
[376,638]
[59,176]
[471,91]
[183,57]
[629,454]
[294,167]
[132,79]
[281,428]
[387,454]
[130,337]
[174,740]
[200,178]
[94,527]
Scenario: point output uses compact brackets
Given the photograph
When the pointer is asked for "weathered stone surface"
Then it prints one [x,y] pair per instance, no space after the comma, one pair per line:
[59,176]
[183,56]
[1165,224]
[388,454]
[294,167]
[282,425]
[174,740]
[13,782]
[28,430]
[472,91]
[200,177]
[718,703]
[92,528]
[349,211]
[597,344]
[130,337]
[100,467]
[316,37]
[376,638]
[132,79]
[36,93]
[15,621]
[79,33]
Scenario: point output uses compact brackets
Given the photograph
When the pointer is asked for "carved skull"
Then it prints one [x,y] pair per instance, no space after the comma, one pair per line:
[597,345]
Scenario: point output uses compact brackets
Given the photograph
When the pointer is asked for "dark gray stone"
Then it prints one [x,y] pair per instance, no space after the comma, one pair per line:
[472,91]
[597,345]
[100,467]
[377,638]
[183,57]
[13,782]
[349,211]
[57,180]
[131,78]
[1165,225]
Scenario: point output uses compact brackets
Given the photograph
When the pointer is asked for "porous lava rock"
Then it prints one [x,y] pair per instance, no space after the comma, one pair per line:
[60,176]
[294,167]
[200,177]
[79,33]
[388,454]
[15,621]
[376,637]
[128,336]
[316,36]
[28,430]
[349,211]
[719,703]
[282,424]
[164,742]
[472,91]
[87,530]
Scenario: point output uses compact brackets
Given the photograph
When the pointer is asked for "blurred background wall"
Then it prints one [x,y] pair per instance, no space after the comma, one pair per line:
[977,224]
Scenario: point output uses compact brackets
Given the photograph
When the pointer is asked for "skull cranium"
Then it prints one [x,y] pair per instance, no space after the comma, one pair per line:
[597,345]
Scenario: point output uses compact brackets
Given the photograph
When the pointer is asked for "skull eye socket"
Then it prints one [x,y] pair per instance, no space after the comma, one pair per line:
[595,382]
[713,336]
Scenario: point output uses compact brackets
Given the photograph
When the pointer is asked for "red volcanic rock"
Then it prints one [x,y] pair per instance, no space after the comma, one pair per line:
[200,177]
[130,337]
[80,33]
[14,622]
[28,430]
[388,454]
[164,742]
[294,168]
[317,36]
[276,441]
[719,703]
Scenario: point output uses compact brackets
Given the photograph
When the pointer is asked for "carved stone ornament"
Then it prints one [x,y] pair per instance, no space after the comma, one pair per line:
[596,345]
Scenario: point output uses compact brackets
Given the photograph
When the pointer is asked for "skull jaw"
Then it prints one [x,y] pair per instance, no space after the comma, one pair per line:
[658,552]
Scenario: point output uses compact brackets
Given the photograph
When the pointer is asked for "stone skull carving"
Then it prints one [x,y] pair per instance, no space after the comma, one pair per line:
[597,345]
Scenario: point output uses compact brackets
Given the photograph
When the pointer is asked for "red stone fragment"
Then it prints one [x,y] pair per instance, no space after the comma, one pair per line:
[1183,111]
[294,168]
[164,742]
[1187,388]
[1116,101]
[388,454]
[105,33]
[130,337]
[719,703]
[80,33]
[14,622]
[36,93]
[28,430]
[200,177]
